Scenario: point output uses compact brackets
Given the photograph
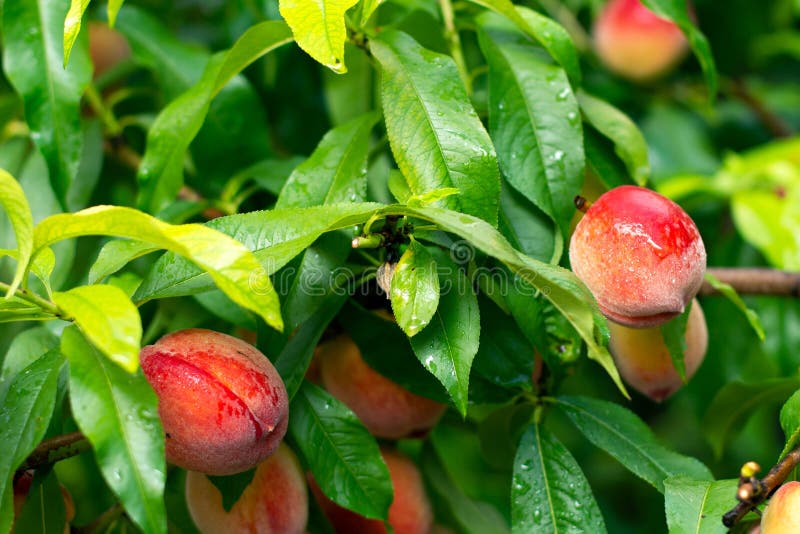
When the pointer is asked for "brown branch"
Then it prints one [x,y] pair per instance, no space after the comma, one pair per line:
[753,491]
[755,281]
[54,449]
[772,122]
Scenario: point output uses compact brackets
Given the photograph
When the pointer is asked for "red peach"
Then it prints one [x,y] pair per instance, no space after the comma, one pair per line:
[644,361]
[386,409]
[409,513]
[636,43]
[275,502]
[640,255]
[782,515]
[223,405]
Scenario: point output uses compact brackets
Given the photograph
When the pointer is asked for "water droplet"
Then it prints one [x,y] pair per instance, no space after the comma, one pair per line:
[501,105]
[558,155]
[116,474]
[563,94]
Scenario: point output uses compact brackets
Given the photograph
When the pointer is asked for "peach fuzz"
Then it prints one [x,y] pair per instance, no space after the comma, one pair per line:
[107,47]
[386,409]
[782,515]
[644,361]
[223,405]
[275,502]
[640,255]
[635,43]
[409,513]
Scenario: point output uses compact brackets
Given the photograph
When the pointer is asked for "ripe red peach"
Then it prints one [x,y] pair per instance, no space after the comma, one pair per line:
[107,47]
[275,502]
[386,409]
[782,515]
[223,405]
[636,43]
[644,361]
[640,255]
[409,513]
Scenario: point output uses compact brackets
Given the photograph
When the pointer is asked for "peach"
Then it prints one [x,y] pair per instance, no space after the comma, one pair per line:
[644,361]
[640,255]
[635,43]
[782,515]
[275,502]
[107,47]
[223,405]
[386,409]
[409,513]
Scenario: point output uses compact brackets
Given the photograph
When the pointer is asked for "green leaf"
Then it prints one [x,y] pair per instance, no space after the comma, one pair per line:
[415,289]
[677,12]
[27,347]
[274,236]
[115,255]
[528,228]
[161,171]
[549,492]
[232,486]
[730,293]
[448,344]
[108,318]
[697,506]
[232,267]
[431,197]
[113,10]
[769,222]
[735,402]
[602,161]
[341,453]
[336,172]
[33,32]
[674,335]
[629,143]
[547,32]
[319,28]
[44,511]
[16,207]
[118,413]
[534,121]
[72,25]
[437,138]
[25,413]
[627,438]
[790,422]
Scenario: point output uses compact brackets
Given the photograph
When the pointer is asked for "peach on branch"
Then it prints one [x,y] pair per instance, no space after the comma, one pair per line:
[386,409]
[640,255]
[636,43]
[644,361]
[223,405]
[409,513]
[782,515]
[275,501]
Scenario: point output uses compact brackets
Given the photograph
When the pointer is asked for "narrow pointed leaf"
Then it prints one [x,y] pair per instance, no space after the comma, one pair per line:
[415,289]
[108,318]
[730,293]
[437,138]
[232,267]
[319,28]
[72,25]
[697,506]
[16,207]
[118,413]
[115,255]
[790,422]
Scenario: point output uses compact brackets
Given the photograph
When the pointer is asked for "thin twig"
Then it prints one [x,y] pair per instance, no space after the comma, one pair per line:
[772,122]
[755,281]
[454,41]
[54,449]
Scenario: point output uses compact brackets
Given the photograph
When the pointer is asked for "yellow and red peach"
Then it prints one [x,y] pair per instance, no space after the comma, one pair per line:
[386,409]
[223,405]
[640,255]
[275,501]
[409,513]
[107,47]
[782,515]
[644,361]
[636,43]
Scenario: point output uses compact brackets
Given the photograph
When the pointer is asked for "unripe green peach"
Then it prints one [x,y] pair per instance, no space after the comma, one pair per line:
[640,255]
[223,405]
[275,501]
[409,513]
[107,47]
[782,515]
[636,43]
[386,409]
[644,361]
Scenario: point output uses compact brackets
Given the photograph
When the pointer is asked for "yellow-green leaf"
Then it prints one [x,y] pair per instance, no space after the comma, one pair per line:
[72,25]
[108,318]
[318,27]
[13,200]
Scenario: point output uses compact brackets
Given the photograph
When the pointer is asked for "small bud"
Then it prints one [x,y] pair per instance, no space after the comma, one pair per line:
[750,469]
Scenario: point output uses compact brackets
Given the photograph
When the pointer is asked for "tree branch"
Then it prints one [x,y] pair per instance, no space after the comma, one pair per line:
[54,449]
[755,281]
[753,491]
